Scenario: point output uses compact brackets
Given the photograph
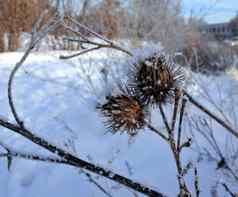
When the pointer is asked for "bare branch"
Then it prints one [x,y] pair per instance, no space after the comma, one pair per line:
[164,119]
[29,156]
[228,190]
[80,53]
[196,182]
[157,132]
[90,31]
[77,162]
[176,103]
[35,38]
[180,122]
[90,178]
[109,43]
[32,157]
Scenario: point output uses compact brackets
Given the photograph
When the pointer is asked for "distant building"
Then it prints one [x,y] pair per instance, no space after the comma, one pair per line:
[220,30]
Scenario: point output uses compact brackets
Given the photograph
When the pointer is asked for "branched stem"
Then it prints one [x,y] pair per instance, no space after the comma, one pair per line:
[176,154]
[106,43]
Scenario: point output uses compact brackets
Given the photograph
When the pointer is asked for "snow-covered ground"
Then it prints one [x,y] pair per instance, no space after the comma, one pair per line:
[56,99]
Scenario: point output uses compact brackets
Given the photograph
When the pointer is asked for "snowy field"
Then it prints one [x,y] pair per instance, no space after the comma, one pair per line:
[57,100]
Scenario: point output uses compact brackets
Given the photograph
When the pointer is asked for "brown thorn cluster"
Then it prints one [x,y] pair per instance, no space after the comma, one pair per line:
[123,113]
[152,81]
[155,79]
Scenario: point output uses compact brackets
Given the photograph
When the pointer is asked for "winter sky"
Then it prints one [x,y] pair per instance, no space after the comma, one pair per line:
[214,11]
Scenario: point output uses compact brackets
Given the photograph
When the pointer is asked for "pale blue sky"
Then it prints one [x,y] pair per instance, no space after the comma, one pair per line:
[214,11]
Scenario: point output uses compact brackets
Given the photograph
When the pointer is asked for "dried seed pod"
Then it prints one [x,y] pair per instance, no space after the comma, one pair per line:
[155,79]
[123,113]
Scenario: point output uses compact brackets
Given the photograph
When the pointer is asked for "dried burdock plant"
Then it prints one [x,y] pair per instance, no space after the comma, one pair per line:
[123,113]
[60,156]
[155,79]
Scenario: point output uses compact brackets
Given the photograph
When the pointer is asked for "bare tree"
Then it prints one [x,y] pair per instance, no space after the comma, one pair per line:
[159,21]
[18,16]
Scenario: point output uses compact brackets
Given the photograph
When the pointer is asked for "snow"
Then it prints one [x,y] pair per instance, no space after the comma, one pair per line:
[57,100]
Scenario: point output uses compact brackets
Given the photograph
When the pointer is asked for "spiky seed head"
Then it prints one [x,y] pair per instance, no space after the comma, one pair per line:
[155,79]
[123,113]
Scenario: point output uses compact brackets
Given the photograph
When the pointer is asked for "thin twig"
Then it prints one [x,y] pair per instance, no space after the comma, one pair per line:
[90,31]
[164,119]
[196,182]
[90,178]
[110,44]
[10,81]
[212,115]
[78,33]
[33,157]
[228,190]
[180,122]
[186,144]
[28,156]
[157,131]
[34,40]
[175,111]
[208,134]
[98,46]
[209,98]
[186,168]
[80,53]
